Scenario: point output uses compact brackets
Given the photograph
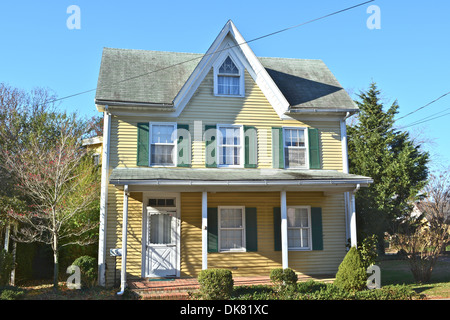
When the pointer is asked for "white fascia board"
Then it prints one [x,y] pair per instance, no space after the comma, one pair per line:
[251,63]
[261,77]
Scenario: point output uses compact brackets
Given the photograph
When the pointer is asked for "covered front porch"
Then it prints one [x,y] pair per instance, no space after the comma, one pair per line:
[262,190]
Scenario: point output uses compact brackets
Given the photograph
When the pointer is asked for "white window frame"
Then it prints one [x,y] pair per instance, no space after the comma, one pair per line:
[175,140]
[309,228]
[243,248]
[306,147]
[221,59]
[219,146]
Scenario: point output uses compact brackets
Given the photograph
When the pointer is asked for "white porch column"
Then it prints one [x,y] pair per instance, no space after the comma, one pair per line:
[284,238]
[353,240]
[104,199]
[204,230]
[123,270]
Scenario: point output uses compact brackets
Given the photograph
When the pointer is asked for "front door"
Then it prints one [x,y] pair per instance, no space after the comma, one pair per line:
[161,252]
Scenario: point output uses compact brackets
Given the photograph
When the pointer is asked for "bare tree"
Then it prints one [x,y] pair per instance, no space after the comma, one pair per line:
[423,237]
[60,182]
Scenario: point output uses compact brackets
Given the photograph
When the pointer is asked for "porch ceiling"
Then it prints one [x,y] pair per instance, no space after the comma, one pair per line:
[223,179]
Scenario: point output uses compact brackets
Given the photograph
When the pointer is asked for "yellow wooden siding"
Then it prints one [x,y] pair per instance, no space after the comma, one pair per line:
[266,258]
[114,234]
[253,109]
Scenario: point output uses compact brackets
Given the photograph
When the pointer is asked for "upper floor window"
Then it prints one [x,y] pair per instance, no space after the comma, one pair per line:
[229,80]
[295,148]
[162,144]
[230,145]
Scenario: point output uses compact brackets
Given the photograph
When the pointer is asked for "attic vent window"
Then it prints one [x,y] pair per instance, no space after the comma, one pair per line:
[229,80]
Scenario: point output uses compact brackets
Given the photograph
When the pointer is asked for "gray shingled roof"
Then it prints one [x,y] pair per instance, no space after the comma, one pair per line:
[134,175]
[152,79]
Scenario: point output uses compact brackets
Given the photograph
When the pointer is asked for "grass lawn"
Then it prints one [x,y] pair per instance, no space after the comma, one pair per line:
[398,272]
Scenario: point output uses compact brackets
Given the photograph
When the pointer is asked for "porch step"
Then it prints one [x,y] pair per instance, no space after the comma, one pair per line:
[164,289]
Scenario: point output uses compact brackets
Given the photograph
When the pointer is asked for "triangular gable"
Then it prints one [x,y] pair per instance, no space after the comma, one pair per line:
[230,41]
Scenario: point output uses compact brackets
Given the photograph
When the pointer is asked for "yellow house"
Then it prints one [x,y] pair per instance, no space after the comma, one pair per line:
[222,160]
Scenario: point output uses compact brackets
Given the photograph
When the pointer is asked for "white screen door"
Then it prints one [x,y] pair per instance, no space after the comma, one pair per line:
[161,243]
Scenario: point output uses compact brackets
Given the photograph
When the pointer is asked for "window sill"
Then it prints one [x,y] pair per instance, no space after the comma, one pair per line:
[230,95]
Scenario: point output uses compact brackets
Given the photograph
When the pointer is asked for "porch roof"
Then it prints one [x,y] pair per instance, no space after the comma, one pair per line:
[233,177]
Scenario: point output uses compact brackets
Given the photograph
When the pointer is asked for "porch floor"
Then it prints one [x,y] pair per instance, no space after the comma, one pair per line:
[179,288]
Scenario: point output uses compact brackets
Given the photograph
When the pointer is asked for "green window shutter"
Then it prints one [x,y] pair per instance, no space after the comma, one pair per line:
[183,146]
[277,228]
[314,152]
[213,230]
[210,146]
[142,144]
[316,228]
[277,148]
[251,231]
[251,147]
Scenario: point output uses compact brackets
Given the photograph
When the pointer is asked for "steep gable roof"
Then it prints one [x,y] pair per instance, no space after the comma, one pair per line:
[169,79]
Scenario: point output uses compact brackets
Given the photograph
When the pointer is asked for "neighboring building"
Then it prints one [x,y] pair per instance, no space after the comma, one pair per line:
[94,144]
[223,160]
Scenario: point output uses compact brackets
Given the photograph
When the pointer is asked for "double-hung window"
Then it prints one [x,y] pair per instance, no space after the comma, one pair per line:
[163,144]
[229,77]
[295,148]
[230,145]
[231,229]
[299,228]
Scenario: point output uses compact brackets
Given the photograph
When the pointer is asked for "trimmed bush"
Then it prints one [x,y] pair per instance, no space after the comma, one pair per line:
[215,284]
[283,278]
[88,269]
[351,275]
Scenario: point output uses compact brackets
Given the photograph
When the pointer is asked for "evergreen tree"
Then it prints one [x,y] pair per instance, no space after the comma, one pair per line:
[397,166]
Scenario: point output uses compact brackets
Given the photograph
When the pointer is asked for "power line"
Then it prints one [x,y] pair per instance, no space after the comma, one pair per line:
[237,45]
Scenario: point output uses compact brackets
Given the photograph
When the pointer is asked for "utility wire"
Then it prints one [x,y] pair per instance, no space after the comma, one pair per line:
[237,45]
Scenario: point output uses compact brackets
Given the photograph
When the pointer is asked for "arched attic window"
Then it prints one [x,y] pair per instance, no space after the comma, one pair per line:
[229,78]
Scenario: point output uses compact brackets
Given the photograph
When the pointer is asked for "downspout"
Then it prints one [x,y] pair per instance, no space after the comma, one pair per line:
[353,233]
[344,148]
[123,271]
[104,198]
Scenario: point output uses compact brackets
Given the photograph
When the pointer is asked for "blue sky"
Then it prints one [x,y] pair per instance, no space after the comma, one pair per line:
[408,57]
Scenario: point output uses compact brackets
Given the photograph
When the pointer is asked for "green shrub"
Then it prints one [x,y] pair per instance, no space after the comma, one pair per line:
[391,292]
[6,266]
[326,291]
[215,284]
[88,270]
[11,293]
[283,278]
[351,275]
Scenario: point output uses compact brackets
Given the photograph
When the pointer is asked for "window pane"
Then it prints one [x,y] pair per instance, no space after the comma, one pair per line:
[228,67]
[295,158]
[297,217]
[294,238]
[162,154]
[305,238]
[231,218]
[162,133]
[228,85]
[231,239]
[294,137]
[160,229]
